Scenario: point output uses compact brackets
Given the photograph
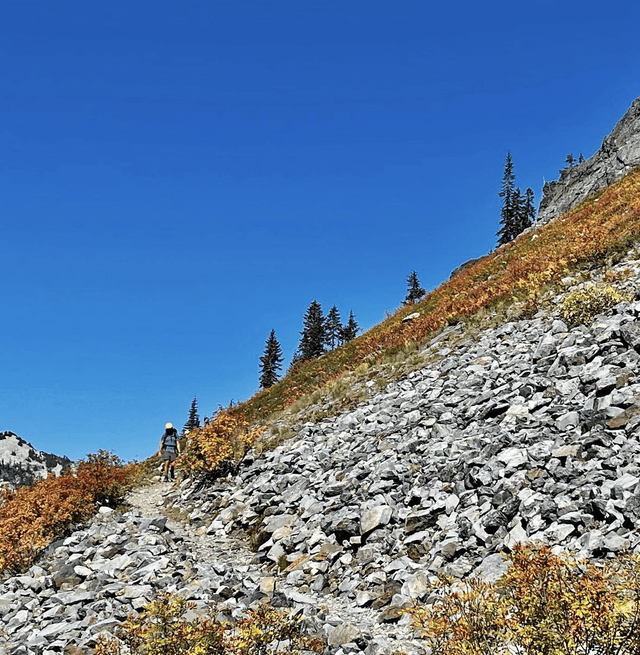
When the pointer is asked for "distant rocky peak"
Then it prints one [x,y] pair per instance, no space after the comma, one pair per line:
[619,153]
[21,463]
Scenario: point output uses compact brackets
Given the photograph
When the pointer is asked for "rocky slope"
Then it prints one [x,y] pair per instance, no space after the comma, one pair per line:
[525,431]
[21,463]
[619,153]
[522,432]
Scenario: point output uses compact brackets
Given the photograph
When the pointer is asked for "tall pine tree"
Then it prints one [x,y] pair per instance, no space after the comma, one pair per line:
[414,290]
[313,333]
[333,328]
[270,362]
[193,422]
[518,211]
[507,214]
[529,210]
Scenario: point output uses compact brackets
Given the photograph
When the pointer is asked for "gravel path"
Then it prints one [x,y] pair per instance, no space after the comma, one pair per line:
[328,612]
[150,501]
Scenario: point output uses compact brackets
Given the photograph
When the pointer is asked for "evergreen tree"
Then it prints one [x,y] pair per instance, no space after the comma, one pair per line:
[270,362]
[351,329]
[580,158]
[333,328]
[517,203]
[414,290]
[570,160]
[297,357]
[193,421]
[518,211]
[529,210]
[508,212]
[313,333]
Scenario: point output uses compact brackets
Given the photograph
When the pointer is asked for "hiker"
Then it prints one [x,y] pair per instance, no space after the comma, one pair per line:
[168,450]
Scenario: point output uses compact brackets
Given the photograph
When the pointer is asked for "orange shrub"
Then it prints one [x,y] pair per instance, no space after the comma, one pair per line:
[163,628]
[222,442]
[32,517]
[544,604]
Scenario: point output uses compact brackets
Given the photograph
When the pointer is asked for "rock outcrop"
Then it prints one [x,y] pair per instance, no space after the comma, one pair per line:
[619,153]
[21,463]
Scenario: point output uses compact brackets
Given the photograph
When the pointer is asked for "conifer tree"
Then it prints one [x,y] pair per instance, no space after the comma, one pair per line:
[414,290]
[297,357]
[313,333]
[529,210]
[193,422]
[270,362]
[351,329]
[518,211]
[517,203]
[333,328]
[507,214]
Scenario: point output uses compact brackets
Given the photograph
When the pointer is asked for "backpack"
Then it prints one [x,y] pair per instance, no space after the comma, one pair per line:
[170,439]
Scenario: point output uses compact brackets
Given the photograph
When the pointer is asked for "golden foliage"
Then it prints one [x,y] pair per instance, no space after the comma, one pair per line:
[164,628]
[33,516]
[222,442]
[582,305]
[544,604]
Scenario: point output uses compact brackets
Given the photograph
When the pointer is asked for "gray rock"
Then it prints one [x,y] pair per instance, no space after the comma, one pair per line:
[492,568]
[343,634]
[375,517]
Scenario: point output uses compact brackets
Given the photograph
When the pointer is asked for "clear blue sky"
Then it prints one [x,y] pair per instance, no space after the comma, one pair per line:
[178,178]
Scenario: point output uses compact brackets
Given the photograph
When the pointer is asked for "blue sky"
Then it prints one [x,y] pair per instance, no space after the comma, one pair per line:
[177,179]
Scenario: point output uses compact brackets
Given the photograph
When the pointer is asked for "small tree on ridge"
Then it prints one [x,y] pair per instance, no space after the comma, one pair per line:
[351,329]
[313,338]
[193,421]
[270,362]
[333,328]
[414,290]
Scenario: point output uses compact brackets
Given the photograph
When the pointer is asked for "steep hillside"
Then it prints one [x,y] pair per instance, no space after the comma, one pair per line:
[505,410]
[526,431]
[515,280]
[21,463]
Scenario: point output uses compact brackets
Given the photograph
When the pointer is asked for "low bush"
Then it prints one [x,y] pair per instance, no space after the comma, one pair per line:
[545,604]
[220,444]
[583,305]
[164,628]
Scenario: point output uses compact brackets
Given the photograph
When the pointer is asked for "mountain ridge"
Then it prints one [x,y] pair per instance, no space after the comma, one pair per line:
[22,464]
[521,432]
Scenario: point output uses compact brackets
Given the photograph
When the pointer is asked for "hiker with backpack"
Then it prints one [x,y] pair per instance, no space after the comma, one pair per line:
[168,450]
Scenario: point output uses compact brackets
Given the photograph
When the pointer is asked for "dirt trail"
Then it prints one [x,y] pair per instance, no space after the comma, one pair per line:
[232,554]
[204,548]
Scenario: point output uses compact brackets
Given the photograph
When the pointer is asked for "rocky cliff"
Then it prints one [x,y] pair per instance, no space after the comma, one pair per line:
[21,463]
[619,153]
